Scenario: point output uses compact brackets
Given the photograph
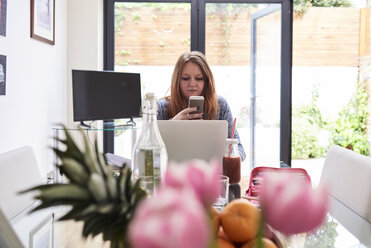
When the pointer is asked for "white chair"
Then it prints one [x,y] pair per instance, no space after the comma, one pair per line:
[348,175]
[19,171]
[8,237]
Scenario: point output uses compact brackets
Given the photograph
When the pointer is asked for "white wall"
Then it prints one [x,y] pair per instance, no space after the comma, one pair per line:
[36,78]
[85,40]
[85,48]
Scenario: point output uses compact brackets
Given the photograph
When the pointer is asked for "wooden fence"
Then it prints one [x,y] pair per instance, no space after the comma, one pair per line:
[321,37]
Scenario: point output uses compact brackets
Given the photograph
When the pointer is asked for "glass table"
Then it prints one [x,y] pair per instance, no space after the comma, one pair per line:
[97,131]
[343,228]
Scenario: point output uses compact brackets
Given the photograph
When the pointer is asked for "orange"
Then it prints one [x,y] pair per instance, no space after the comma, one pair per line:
[240,220]
[221,243]
[267,243]
[215,221]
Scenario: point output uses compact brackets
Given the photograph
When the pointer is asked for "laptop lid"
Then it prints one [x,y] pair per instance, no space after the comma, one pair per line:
[201,139]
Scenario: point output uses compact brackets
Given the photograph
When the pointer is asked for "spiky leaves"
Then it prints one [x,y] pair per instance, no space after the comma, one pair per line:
[104,202]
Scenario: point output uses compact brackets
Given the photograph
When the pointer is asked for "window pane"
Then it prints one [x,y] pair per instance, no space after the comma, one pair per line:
[228,50]
[268,90]
[326,44]
[149,38]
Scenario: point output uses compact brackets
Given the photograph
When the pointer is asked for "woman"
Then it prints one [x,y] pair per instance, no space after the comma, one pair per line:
[192,77]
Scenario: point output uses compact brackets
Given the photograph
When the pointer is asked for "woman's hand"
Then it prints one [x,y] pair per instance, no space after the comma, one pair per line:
[185,114]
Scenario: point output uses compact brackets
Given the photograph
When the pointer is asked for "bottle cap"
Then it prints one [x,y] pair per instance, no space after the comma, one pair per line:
[232,141]
[150,96]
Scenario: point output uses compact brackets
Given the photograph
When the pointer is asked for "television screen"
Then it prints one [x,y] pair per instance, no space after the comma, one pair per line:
[105,95]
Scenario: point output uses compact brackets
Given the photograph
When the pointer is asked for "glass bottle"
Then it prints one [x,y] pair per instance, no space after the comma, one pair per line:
[232,161]
[149,160]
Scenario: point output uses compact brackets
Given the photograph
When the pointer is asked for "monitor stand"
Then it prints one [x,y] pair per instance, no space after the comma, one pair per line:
[129,123]
[82,124]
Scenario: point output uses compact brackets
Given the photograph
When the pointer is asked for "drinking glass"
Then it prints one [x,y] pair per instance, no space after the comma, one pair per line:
[222,199]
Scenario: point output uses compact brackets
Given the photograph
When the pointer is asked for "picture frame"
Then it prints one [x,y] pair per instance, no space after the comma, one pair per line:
[43,20]
[3,11]
[2,75]
[42,236]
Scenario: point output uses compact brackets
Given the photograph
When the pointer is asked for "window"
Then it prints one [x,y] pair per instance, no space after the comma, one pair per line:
[247,44]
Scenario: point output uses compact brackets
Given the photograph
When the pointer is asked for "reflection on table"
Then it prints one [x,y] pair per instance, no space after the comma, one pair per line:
[234,192]
[343,228]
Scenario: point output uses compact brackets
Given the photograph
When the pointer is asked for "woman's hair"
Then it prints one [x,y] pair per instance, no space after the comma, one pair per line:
[177,102]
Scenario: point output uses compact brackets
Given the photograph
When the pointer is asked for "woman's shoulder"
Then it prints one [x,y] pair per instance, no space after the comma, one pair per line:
[163,102]
[162,105]
[222,101]
[223,108]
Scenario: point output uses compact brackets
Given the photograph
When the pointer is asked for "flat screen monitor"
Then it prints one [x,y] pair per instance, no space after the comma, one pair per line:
[105,95]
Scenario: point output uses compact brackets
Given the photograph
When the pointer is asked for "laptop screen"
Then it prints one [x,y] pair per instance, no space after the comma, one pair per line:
[196,139]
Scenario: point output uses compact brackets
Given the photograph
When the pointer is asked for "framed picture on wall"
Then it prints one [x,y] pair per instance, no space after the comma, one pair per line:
[3,17]
[42,235]
[2,74]
[43,20]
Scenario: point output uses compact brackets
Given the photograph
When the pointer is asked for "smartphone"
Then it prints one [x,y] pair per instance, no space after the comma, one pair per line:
[196,101]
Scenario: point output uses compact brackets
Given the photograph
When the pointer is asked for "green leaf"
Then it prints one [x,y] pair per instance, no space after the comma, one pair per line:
[89,157]
[104,202]
[64,191]
[73,150]
[74,171]
[97,188]
[76,212]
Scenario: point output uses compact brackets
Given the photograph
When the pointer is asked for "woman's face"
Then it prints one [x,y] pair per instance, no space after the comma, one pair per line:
[191,80]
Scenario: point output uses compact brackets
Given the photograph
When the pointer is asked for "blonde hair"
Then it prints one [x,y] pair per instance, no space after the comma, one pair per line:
[177,102]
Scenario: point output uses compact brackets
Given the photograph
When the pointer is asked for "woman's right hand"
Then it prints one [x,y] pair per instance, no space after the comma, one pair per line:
[185,114]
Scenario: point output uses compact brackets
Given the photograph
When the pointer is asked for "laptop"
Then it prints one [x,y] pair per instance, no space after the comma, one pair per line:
[194,139]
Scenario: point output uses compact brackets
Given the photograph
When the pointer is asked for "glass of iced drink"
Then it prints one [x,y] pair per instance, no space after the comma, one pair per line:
[232,161]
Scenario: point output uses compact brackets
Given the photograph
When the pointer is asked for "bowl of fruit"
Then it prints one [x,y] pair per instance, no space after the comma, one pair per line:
[238,225]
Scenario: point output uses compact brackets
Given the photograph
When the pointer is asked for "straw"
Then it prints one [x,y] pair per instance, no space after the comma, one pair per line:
[230,146]
[250,198]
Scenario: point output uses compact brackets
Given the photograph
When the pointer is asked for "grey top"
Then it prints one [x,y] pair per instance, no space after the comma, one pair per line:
[224,113]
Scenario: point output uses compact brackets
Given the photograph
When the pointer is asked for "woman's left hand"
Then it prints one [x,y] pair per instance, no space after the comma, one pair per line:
[186,114]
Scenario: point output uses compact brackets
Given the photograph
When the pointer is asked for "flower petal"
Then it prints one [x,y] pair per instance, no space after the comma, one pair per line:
[171,218]
[290,205]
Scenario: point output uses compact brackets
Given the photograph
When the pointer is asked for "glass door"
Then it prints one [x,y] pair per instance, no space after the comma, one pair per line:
[243,47]
[265,91]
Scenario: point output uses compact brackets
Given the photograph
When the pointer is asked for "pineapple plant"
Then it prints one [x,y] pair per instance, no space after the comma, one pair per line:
[105,202]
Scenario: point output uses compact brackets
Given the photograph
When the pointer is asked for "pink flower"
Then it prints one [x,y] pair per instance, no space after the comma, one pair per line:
[201,177]
[171,218]
[290,205]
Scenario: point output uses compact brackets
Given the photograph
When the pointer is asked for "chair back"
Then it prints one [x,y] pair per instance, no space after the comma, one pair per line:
[18,171]
[348,176]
